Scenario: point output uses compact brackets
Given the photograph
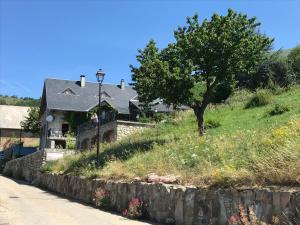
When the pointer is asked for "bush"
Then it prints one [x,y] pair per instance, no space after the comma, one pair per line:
[260,98]
[212,123]
[279,109]
[156,117]
[294,60]
[276,71]
[70,141]
[142,118]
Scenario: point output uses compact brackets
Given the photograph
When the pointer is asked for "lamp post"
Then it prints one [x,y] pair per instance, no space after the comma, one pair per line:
[100,77]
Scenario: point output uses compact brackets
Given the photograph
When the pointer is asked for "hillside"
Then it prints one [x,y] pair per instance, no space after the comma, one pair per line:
[18,101]
[249,147]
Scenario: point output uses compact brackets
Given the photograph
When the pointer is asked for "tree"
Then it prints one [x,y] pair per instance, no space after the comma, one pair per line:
[294,59]
[32,122]
[200,67]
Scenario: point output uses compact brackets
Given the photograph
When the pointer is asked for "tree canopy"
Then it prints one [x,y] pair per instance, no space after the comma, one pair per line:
[32,122]
[200,67]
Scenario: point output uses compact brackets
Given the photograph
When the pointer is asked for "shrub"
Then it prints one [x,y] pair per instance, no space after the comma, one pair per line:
[163,117]
[275,71]
[279,109]
[156,117]
[48,167]
[70,141]
[212,123]
[294,60]
[144,119]
[260,98]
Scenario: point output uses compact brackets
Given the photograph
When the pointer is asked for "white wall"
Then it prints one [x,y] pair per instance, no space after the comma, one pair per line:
[54,125]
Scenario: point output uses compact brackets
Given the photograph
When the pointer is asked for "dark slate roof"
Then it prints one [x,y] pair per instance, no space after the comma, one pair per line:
[82,99]
[156,106]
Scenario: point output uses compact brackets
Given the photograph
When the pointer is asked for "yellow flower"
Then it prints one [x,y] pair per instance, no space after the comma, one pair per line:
[267,141]
[215,173]
[281,132]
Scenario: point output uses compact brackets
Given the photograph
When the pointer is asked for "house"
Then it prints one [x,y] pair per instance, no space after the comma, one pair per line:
[10,126]
[60,97]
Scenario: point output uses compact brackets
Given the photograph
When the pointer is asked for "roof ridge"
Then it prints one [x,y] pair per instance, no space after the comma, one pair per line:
[85,82]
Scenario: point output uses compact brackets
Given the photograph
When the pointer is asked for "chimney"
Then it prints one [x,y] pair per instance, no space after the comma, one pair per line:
[82,80]
[122,84]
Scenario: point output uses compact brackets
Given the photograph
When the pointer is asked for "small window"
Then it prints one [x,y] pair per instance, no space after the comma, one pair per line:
[68,91]
[104,95]
[64,128]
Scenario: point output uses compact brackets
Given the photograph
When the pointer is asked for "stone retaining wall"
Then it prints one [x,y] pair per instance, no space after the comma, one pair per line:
[25,167]
[165,203]
[28,166]
[178,204]
[125,128]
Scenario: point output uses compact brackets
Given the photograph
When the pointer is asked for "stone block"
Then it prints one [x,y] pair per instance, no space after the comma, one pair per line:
[188,205]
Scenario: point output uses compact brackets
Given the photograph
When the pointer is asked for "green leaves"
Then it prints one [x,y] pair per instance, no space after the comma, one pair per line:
[32,122]
[201,66]
[294,59]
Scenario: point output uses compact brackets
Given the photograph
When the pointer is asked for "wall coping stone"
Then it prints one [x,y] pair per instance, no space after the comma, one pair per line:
[132,123]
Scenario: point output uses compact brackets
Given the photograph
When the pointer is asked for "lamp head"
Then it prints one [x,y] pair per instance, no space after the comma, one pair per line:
[100,75]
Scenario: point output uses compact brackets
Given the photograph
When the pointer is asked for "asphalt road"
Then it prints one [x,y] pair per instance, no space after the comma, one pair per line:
[22,204]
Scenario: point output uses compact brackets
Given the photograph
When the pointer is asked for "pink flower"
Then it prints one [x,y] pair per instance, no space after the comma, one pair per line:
[233,220]
[125,212]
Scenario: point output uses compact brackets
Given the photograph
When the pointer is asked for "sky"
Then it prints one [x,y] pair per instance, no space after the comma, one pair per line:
[66,38]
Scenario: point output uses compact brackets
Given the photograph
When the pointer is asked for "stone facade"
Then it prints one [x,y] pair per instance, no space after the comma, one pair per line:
[109,132]
[87,135]
[166,203]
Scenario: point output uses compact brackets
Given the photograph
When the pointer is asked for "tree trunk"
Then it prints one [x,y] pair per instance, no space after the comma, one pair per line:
[199,113]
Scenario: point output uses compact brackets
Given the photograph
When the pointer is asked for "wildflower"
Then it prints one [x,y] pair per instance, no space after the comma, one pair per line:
[252,215]
[233,220]
[243,215]
[275,220]
[125,212]
[134,209]
[101,199]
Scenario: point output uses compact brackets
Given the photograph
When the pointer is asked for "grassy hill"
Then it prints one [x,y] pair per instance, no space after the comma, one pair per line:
[246,147]
[19,101]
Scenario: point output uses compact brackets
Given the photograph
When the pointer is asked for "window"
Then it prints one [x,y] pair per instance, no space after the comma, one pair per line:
[68,91]
[64,128]
[104,95]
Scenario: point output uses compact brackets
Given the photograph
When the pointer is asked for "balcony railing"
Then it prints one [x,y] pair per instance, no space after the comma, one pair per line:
[56,133]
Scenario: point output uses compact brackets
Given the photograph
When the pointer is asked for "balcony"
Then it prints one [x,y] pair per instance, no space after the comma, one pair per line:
[56,134]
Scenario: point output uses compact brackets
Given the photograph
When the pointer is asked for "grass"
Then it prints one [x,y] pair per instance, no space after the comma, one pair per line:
[249,147]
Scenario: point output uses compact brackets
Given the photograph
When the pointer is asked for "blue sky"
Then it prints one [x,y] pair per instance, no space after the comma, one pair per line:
[63,39]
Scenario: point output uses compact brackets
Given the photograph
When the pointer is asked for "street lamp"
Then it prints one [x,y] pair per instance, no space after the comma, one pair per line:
[100,77]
